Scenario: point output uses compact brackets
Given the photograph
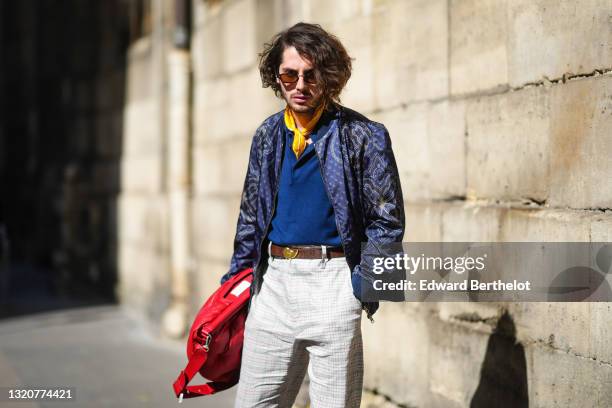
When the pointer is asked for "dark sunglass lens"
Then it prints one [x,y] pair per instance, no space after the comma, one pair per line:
[285,77]
[311,79]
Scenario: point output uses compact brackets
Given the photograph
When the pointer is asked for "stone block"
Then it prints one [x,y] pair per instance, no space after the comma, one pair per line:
[144,222]
[214,226]
[578,328]
[398,368]
[547,38]
[423,136]
[221,167]
[144,278]
[218,101]
[252,101]
[471,223]
[294,11]
[564,326]
[423,222]
[410,51]
[454,351]
[208,50]
[329,13]
[208,177]
[581,144]
[408,131]
[508,145]
[238,30]
[178,66]
[601,227]
[211,94]
[212,111]
[356,35]
[268,20]
[558,379]
[206,280]
[142,129]
[211,124]
[447,140]
[525,225]
[132,288]
[600,339]
[477,316]
[370,400]
[140,76]
[478,37]
[199,13]
[141,174]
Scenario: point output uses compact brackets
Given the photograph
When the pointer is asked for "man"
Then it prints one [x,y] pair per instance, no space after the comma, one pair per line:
[321,180]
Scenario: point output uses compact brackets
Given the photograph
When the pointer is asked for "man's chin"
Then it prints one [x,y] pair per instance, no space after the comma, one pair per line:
[301,108]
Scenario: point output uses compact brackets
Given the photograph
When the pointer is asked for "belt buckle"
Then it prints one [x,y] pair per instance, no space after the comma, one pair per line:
[290,253]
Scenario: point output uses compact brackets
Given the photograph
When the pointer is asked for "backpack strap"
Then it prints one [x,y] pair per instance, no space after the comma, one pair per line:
[181,387]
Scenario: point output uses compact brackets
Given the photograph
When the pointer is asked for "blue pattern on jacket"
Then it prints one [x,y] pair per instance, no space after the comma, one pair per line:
[361,178]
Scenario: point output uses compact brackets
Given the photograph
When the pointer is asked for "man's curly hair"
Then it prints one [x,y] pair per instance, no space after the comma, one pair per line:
[331,62]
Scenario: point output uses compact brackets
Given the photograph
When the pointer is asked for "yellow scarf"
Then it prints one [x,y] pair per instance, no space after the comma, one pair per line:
[299,134]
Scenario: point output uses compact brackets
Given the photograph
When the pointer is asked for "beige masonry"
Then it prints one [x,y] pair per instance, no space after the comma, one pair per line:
[500,117]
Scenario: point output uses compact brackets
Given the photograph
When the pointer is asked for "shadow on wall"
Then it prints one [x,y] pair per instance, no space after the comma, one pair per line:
[503,376]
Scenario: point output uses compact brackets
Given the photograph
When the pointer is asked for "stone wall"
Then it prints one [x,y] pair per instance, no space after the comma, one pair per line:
[500,113]
[143,210]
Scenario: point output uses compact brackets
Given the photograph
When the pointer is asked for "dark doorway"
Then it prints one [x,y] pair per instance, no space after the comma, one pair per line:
[62,88]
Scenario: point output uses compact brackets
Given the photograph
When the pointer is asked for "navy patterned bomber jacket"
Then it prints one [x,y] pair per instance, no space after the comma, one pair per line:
[361,178]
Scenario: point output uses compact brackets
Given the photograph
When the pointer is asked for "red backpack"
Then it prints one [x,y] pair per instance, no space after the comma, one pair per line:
[214,347]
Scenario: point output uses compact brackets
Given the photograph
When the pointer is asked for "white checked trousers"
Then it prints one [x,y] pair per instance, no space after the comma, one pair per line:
[305,316]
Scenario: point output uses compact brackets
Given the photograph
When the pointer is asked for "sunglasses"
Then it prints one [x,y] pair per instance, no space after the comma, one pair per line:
[292,77]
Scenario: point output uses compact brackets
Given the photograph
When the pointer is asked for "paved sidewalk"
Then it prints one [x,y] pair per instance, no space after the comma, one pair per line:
[108,356]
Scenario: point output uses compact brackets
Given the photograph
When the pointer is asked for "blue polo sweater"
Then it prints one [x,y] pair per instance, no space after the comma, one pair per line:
[304,214]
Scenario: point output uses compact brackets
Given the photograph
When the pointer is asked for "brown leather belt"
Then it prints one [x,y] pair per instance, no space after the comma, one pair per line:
[304,252]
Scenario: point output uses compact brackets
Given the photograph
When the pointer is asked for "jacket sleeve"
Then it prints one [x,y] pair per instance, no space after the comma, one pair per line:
[246,229]
[383,207]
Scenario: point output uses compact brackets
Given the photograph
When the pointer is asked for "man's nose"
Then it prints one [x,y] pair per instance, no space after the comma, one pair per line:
[300,84]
